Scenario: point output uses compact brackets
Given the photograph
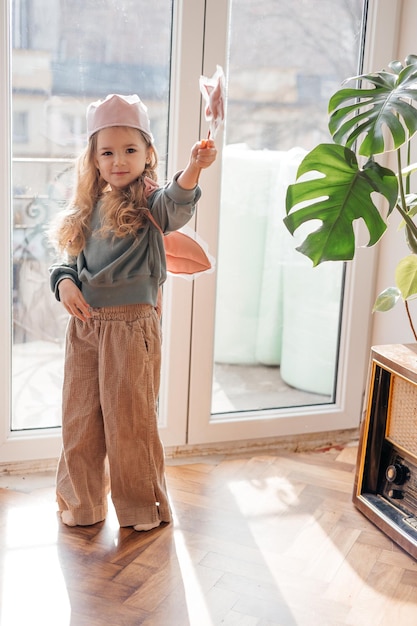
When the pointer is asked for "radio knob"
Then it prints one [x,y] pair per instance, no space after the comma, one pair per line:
[395,494]
[397,473]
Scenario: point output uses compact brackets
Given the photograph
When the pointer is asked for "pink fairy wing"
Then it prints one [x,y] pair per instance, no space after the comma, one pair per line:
[213,91]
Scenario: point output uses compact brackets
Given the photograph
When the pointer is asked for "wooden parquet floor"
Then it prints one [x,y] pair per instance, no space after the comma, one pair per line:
[257,541]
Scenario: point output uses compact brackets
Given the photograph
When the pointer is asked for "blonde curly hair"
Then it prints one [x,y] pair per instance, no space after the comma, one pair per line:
[122,210]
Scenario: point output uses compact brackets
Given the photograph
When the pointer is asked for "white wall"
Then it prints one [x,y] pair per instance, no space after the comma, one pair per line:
[393,327]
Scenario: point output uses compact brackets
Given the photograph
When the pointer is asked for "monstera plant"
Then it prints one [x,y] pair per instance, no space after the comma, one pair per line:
[341,182]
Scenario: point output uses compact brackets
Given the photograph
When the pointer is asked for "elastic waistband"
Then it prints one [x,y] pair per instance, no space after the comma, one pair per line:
[125,312]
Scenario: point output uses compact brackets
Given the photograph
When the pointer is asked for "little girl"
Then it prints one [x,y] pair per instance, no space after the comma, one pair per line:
[109,283]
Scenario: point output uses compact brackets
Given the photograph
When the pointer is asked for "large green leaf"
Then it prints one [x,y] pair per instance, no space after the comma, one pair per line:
[384,105]
[339,196]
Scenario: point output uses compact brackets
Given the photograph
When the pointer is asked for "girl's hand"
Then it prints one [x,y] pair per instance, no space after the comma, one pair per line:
[73,300]
[203,154]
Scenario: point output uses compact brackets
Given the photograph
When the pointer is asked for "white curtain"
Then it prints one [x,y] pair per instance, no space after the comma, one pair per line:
[272,307]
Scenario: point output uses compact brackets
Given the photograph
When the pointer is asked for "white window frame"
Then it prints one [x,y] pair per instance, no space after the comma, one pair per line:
[190,324]
[345,412]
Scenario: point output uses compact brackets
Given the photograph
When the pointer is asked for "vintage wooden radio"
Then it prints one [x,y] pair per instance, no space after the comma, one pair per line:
[386,472]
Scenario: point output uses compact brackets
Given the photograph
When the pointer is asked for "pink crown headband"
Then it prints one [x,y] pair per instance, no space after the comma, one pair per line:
[117,110]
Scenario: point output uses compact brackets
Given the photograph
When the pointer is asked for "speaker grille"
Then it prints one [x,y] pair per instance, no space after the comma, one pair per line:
[402,415]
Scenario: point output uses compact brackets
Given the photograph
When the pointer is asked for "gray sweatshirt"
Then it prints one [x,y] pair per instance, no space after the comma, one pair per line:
[116,271]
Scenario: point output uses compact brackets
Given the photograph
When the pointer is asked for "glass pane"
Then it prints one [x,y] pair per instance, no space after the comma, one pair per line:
[66,54]
[277,318]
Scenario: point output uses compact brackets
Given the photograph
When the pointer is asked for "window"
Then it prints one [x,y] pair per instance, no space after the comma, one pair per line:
[279,354]
[277,318]
[270,90]
[62,59]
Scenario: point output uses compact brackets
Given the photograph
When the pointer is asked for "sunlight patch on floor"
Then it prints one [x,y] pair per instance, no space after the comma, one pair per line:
[264,496]
[198,610]
[31,571]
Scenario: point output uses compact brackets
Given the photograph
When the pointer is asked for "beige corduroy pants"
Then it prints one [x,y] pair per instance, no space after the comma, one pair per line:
[111,386]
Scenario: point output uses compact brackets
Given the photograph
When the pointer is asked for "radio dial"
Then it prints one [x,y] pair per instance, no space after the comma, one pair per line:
[395,494]
[397,473]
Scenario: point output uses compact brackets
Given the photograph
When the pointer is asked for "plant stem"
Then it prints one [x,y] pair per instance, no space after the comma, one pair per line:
[408,176]
[407,219]
[400,181]
[410,321]
[402,207]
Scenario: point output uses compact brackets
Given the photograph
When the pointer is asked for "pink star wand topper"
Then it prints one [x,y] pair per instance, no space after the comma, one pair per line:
[213,91]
